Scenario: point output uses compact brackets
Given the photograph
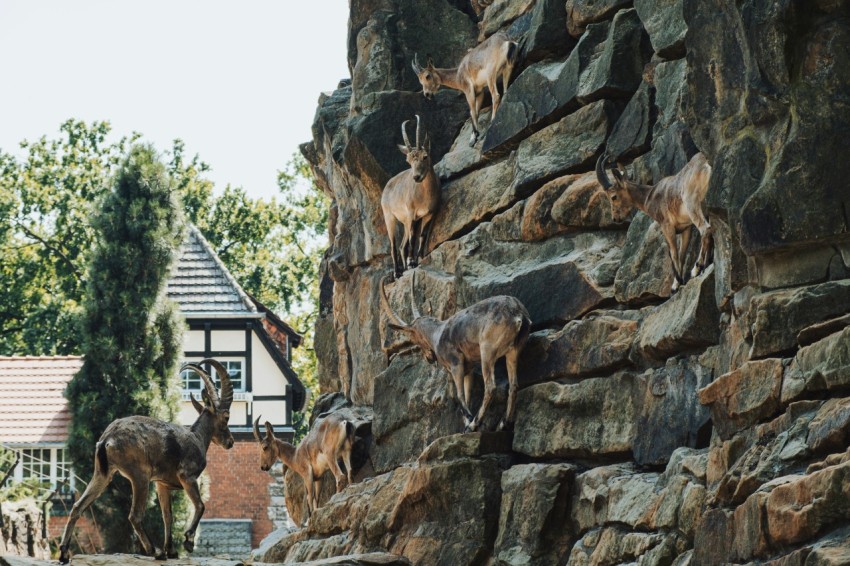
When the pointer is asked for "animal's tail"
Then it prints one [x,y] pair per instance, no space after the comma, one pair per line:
[349,431]
[523,325]
[100,453]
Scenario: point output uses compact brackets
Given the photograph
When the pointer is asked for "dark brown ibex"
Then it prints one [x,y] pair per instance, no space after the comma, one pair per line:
[143,449]
[481,67]
[412,198]
[675,202]
[484,332]
[320,450]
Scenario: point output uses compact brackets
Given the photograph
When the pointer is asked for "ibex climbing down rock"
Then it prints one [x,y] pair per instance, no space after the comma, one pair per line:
[143,450]
[412,198]
[317,452]
[675,202]
[486,331]
[481,67]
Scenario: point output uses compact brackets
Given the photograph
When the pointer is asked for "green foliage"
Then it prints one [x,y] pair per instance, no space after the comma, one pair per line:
[46,201]
[131,337]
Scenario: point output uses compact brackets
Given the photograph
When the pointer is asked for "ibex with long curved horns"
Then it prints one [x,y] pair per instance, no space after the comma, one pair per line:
[481,67]
[412,198]
[484,332]
[320,450]
[143,450]
[675,202]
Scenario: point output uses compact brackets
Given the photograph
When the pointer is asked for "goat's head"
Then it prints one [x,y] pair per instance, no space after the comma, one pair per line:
[618,190]
[418,156]
[416,330]
[428,78]
[217,407]
[268,454]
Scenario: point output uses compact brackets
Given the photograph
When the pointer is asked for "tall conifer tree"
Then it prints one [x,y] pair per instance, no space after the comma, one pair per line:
[131,334]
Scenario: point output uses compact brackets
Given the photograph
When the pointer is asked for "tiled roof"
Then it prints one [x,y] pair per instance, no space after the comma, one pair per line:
[200,283]
[32,408]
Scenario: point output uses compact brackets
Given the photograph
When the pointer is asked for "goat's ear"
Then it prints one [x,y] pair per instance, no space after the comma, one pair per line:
[207,402]
[430,63]
[395,326]
[196,404]
[403,149]
[269,429]
[427,143]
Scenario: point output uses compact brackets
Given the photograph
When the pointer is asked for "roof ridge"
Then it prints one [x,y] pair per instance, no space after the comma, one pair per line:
[42,357]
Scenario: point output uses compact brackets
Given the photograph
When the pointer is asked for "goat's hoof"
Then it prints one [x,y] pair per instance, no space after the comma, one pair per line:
[505,425]
[472,139]
[189,545]
[159,554]
[64,555]
[471,427]
[696,270]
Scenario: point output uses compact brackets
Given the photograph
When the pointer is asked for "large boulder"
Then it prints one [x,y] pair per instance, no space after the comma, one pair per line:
[581,13]
[689,319]
[665,22]
[535,506]
[823,366]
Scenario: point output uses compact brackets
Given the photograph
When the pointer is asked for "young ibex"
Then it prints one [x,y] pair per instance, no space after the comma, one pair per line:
[484,332]
[320,450]
[412,198]
[143,450]
[481,67]
[675,202]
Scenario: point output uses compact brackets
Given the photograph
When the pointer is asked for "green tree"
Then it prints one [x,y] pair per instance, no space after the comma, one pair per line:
[46,201]
[131,336]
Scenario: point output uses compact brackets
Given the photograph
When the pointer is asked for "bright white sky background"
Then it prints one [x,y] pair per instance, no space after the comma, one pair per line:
[237,81]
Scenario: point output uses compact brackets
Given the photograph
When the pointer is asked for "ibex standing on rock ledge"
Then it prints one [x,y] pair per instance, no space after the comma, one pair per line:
[412,197]
[486,331]
[143,450]
[481,67]
[320,450]
[675,202]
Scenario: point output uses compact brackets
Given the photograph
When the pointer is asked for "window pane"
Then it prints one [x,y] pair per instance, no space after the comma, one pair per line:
[64,475]
[35,464]
[234,370]
[191,380]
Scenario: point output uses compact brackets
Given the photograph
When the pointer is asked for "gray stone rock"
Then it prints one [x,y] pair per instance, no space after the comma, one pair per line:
[823,366]
[632,134]
[616,70]
[591,346]
[547,36]
[581,13]
[601,418]
[535,505]
[646,271]
[778,316]
[569,145]
[501,13]
[665,22]
[689,319]
[744,396]
[542,94]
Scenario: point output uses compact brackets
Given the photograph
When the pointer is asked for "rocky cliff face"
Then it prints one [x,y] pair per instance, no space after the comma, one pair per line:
[705,428]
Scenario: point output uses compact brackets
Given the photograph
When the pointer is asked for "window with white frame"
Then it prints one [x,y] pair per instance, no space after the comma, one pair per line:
[50,465]
[191,381]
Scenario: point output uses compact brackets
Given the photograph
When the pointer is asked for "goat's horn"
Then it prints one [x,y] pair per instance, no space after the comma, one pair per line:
[417,131]
[257,429]
[209,386]
[412,299]
[393,316]
[601,176]
[404,133]
[416,67]
[226,386]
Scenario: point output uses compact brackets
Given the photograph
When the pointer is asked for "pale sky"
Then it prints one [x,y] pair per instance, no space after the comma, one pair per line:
[237,81]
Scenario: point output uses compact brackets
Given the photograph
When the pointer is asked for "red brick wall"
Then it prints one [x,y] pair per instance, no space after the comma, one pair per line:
[239,488]
[84,531]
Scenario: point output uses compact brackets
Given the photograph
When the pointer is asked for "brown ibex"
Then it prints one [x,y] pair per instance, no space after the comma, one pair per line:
[412,198]
[143,449]
[317,452]
[675,202]
[481,67]
[484,332]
